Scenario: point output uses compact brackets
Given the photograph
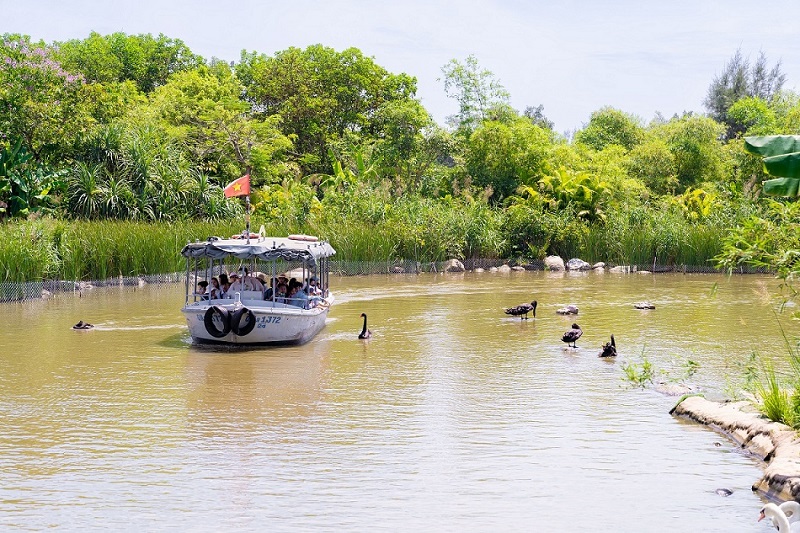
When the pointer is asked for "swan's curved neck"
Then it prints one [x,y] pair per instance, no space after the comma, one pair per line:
[779,519]
[364,329]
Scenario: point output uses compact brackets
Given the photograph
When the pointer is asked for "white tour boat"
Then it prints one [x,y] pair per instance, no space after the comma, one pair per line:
[248,315]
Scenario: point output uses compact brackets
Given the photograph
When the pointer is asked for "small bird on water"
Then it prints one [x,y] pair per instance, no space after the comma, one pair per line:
[609,349]
[522,310]
[83,325]
[572,335]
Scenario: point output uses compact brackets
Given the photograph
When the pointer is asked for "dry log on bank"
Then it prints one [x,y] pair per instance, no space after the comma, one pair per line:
[777,444]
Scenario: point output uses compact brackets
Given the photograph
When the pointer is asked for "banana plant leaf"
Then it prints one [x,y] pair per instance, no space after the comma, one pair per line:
[781,157]
[784,165]
[772,145]
[782,187]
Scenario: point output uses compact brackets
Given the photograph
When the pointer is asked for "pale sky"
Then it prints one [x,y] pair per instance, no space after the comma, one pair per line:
[571,56]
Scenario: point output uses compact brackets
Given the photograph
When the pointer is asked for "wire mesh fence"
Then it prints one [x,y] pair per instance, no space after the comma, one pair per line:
[19,291]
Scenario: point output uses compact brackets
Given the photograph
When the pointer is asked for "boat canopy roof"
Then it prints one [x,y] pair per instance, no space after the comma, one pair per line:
[263,248]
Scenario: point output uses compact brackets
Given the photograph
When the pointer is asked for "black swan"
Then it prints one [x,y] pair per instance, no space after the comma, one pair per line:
[609,349]
[572,335]
[83,325]
[522,310]
[365,333]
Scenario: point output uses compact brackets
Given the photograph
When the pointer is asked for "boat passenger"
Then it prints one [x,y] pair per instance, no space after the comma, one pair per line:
[313,287]
[269,291]
[215,292]
[249,282]
[201,289]
[236,284]
[298,297]
[280,293]
[224,285]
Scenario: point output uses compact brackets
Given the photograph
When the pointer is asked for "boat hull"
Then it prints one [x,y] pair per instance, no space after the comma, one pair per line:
[273,324]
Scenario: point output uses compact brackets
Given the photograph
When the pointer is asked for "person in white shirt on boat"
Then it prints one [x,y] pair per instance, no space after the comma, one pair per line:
[236,284]
[312,287]
[249,282]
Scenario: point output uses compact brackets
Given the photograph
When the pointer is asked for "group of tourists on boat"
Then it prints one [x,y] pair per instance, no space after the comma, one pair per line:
[281,289]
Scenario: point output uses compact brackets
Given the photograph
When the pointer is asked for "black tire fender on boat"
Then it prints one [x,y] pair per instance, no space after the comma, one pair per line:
[224,316]
[249,318]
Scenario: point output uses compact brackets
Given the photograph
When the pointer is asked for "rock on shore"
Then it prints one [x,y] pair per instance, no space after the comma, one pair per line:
[777,444]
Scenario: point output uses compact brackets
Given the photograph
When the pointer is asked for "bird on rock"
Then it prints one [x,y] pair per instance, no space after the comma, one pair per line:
[572,335]
[522,310]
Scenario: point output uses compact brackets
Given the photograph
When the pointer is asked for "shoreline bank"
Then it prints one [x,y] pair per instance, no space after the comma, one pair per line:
[776,444]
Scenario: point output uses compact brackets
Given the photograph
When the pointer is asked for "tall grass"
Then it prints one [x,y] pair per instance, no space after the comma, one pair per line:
[371,225]
[92,250]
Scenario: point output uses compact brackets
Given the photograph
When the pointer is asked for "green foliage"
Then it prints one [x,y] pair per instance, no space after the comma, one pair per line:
[653,162]
[775,401]
[201,110]
[769,240]
[475,89]
[502,157]
[43,104]
[585,191]
[639,375]
[753,116]
[322,96]
[609,126]
[739,79]
[25,187]
[695,204]
[781,157]
[143,59]
[697,154]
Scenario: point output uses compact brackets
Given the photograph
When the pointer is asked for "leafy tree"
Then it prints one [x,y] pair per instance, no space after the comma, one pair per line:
[42,103]
[322,97]
[400,147]
[201,109]
[654,163]
[739,79]
[537,117]
[476,90]
[609,126]
[696,150]
[753,115]
[502,157]
[143,59]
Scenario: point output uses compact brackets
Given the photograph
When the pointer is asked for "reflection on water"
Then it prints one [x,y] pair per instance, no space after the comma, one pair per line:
[453,417]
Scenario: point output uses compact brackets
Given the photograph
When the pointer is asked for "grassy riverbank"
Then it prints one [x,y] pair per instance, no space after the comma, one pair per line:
[47,249]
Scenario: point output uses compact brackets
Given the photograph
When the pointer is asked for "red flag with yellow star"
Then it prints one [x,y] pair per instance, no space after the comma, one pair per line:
[238,187]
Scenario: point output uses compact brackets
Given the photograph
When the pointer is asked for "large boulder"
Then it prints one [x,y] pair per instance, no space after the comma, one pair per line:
[553,262]
[453,265]
[578,264]
[505,269]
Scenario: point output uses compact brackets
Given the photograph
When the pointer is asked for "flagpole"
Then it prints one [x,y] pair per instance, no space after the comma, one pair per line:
[247,209]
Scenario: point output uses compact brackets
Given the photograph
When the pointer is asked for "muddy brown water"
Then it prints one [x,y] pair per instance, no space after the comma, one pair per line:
[453,417]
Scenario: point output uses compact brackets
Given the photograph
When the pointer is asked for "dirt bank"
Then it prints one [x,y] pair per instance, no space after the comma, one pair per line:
[777,444]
